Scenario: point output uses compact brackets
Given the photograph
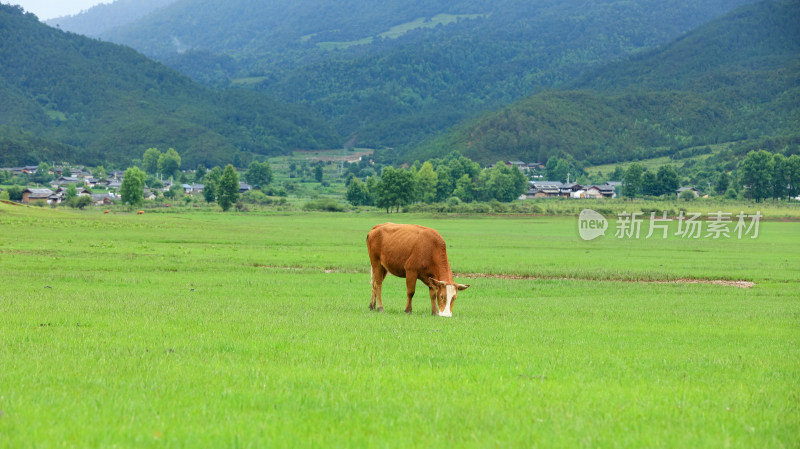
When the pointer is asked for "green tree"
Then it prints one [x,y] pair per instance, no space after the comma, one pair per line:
[259,174]
[756,170]
[618,173]
[505,183]
[465,189]
[211,182]
[42,175]
[175,191]
[780,176]
[668,180]
[210,191]
[200,174]
[318,173]
[132,189]
[358,193]
[444,182]
[99,173]
[722,184]
[427,181]
[396,188]
[169,163]
[632,181]
[793,169]
[650,185]
[558,169]
[150,160]
[71,193]
[228,191]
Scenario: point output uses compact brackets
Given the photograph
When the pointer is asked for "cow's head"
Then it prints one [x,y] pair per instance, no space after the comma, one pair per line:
[446,295]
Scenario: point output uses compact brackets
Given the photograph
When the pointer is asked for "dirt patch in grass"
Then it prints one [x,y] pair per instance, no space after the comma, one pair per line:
[723,282]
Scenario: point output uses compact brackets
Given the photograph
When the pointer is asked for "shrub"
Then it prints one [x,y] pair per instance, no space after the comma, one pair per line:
[325,205]
[79,202]
[688,195]
[256,197]
[497,207]
[15,193]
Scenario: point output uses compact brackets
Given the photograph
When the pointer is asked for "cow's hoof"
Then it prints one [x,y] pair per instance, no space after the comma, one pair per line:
[372,307]
[380,309]
[408,311]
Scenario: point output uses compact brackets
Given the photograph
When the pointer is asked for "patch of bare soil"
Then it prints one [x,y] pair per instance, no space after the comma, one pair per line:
[726,283]
[739,284]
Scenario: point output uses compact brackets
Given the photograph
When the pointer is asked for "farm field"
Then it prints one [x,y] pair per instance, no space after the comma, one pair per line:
[252,330]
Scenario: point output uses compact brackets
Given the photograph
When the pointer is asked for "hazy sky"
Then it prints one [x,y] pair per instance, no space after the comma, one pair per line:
[48,9]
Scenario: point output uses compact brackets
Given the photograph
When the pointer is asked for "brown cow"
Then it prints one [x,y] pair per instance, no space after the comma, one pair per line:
[412,252]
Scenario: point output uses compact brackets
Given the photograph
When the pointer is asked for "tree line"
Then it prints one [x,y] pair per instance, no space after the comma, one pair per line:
[758,176]
[437,180]
[219,185]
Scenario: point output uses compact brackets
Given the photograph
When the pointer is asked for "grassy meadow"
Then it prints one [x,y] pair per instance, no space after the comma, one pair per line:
[207,329]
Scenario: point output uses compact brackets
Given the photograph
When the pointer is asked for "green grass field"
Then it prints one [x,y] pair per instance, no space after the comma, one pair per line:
[223,330]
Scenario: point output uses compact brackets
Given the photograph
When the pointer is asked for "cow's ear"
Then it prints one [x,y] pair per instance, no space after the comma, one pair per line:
[462,286]
[434,281]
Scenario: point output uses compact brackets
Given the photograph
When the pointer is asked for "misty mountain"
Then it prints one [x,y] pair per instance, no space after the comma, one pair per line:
[85,100]
[107,16]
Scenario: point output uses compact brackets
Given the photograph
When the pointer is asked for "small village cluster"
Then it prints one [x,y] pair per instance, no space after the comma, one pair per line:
[85,182]
[556,189]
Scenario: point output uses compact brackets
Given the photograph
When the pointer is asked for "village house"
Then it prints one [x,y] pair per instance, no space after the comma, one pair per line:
[65,180]
[557,189]
[600,191]
[692,189]
[544,189]
[18,171]
[31,195]
[192,188]
[103,199]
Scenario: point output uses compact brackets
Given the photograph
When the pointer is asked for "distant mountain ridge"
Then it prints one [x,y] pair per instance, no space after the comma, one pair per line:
[107,16]
[347,59]
[101,103]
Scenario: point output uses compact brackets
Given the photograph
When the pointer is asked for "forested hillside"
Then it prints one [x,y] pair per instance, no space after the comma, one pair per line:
[64,96]
[734,80]
[394,71]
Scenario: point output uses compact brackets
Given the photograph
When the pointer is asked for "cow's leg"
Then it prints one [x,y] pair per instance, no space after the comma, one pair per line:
[434,302]
[411,286]
[378,275]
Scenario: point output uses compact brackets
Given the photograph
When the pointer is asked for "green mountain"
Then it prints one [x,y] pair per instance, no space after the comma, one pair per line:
[735,79]
[93,102]
[392,72]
